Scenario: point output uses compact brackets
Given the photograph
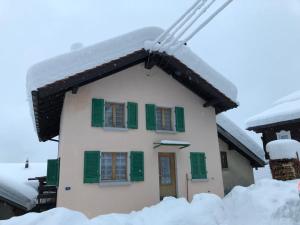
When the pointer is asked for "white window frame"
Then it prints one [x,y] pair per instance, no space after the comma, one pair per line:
[283,133]
[125,116]
[173,118]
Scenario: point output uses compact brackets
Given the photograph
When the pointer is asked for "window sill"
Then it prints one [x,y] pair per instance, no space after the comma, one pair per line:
[114,183]
[200,180]
[166,131]
[115,129]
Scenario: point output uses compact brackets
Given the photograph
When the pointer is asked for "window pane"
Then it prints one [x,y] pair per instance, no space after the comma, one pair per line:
[121,166]
[224,161]
[106,166]
[165,170]
[164,118]
[114,115]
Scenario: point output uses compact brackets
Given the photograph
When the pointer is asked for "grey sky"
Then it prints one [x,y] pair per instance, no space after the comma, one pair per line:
[254,43]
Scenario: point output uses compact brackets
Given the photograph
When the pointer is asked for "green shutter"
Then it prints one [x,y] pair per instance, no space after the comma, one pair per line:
[91,167]
[150,117]
[132,115]
[137,166]
[97,112]
[180,125]
[198,165]
[53,172]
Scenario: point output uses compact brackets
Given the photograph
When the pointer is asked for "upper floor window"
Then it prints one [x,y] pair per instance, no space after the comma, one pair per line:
[114,115]
[164,120]
[283,134]
[114,166]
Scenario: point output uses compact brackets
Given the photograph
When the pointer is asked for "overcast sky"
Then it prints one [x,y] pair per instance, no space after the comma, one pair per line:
[254,43]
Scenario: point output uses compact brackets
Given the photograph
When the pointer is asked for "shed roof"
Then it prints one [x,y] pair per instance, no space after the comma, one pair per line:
[238,138]
[48,81]
[284,111]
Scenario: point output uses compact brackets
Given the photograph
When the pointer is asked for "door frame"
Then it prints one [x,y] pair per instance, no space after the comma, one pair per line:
[175,171]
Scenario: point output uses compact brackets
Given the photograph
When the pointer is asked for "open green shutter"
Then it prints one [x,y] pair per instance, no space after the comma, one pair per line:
[179,113]
[91,167]
[150,117]
[132,115]
[198,165]
[53,172]
[137,166]
[97,112]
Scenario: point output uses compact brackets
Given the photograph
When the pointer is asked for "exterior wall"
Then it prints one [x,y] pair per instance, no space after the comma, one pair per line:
[7,210]
[142,86]
[239,171]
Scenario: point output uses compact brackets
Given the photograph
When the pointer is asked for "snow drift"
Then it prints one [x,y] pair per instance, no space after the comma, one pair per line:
[265,203]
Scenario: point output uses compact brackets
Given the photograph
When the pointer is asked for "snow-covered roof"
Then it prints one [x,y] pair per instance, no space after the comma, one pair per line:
[284,109]
[283,149]
[241,135]
[14,184]
[74,62]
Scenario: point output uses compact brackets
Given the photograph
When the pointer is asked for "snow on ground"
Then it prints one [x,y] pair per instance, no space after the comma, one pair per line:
[241,135]
[284,109]
[283,149]
[268,202]
[14,184]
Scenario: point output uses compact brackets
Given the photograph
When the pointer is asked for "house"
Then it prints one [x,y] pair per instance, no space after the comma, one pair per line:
[239,154]
[17,193]
[134,126]
[281,121]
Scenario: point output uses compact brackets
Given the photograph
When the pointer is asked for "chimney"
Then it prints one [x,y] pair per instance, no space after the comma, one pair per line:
[27,164]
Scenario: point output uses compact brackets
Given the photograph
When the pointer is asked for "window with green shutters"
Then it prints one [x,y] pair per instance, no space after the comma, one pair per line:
[97,112]
[132,115]
[91,172]
[150,117]
[179,114]
[53,172]
[137,166]
[198,165]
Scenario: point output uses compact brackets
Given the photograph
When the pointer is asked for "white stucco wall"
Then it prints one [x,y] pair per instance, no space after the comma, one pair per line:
[142,86]
[239,172]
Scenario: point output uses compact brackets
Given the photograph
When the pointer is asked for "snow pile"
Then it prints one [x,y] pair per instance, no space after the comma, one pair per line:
[262,173]
[241,135]
[283,149]
[86,58]
[265,203]
[14,184]
[284,109]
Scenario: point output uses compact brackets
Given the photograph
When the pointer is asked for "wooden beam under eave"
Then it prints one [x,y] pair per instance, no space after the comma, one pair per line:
[212,102]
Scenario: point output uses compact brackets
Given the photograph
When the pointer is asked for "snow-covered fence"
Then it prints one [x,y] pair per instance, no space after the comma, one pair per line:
[284,159]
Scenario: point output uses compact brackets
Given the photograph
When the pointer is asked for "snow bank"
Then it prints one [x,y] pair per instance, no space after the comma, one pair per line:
[14,184]
[283,149]
[284,109]
[86,58]
[262,173]
[241,135]
[265,203]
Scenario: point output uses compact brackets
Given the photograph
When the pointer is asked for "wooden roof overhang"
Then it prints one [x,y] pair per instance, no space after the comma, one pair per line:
[235,144]
[48,100]
[276,126]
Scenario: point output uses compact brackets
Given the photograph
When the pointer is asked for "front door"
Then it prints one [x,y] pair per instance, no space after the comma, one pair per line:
[167,174]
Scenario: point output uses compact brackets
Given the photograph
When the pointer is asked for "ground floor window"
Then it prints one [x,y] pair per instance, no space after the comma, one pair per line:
[224,161]
[114,166]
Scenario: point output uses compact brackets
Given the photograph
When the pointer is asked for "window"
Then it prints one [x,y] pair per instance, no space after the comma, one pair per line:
[164,119]
[115,115]
[114,166]
[283,134]
[224,161]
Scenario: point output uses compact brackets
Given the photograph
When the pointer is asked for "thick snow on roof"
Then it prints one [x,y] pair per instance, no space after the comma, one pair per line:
[284,109]
[14,184]
[283,149]
[241,135]
[77,61]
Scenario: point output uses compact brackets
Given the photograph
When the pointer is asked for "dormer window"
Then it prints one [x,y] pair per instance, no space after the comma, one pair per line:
[283,134]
